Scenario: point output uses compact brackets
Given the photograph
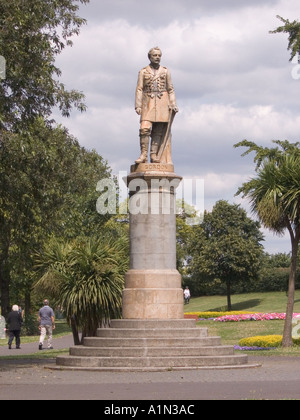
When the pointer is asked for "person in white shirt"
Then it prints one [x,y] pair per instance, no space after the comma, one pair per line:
[187,295]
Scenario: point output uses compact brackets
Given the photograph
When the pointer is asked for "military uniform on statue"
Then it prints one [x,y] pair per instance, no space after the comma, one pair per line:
[154,102]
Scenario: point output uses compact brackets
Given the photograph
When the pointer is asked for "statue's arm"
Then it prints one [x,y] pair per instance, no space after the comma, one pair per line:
[139,93]
[171,92]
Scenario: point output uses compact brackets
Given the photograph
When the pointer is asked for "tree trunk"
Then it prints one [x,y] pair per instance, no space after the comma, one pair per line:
[4,274]
[75,331]
[229,307]
[27,308]
[287,340]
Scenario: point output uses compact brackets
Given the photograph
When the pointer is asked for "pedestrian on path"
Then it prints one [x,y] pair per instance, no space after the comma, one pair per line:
[14,322]
[46,324]
[187,295]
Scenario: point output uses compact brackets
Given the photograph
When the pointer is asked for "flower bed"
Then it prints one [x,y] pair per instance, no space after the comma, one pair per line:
[253,348]
[237,316]
[265,341]
[191,316]
[213,315]
[261,341]
[252,317]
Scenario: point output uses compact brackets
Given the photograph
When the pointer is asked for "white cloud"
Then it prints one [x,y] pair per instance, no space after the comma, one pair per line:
[220,184]
[232,81]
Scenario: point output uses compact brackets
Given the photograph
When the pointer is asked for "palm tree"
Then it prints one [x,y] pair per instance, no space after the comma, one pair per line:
[275,198]
[86,278]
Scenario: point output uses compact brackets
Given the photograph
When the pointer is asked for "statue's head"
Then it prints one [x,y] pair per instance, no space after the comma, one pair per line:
[154,55]
[154,50]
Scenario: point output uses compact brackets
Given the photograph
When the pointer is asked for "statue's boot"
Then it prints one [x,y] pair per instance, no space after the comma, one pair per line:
[144,140]
[153,152]
[157,136]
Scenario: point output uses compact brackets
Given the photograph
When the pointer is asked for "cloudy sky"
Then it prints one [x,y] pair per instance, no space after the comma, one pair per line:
[233,80]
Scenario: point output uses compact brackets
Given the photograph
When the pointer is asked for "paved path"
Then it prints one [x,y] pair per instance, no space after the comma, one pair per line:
[278,378]
[24,379]
[31,348]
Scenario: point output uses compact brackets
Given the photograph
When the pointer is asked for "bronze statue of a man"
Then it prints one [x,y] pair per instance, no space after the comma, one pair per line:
[155,98]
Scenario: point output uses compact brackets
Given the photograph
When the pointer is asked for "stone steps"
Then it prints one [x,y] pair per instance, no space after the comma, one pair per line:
[150,351]
[150,323]
[151,342]
[151,333]
[144,362]
[149,345]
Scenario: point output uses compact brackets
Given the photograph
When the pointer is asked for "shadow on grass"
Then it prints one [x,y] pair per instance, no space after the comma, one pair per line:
[240,306]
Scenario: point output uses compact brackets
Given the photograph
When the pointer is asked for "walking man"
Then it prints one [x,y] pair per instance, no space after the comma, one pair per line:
[46,324]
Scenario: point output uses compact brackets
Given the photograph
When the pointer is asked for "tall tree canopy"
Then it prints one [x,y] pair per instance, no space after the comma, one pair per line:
[226,246]
[45,176]
[32,34]
[48,187]
[275,197]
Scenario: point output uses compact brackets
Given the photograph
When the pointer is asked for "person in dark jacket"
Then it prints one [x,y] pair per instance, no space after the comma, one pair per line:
[14,322]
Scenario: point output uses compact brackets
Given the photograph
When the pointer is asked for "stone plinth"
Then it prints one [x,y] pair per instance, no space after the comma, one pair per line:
[152,345]
[152,285]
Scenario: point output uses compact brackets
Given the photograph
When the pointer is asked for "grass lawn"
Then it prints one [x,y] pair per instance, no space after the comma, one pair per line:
[250,302]
[232,332]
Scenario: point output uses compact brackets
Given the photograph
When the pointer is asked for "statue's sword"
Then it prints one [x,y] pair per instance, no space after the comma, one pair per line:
[163,146]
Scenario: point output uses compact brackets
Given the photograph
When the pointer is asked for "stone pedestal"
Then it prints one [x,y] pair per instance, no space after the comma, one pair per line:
[152,285]
[152,336]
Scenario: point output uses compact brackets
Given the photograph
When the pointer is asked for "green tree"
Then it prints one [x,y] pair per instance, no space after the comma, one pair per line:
[186,218]
[279,260]
[293,29]
[32,34]
[275,197]
[226,246]
[85,278]
[48,187]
